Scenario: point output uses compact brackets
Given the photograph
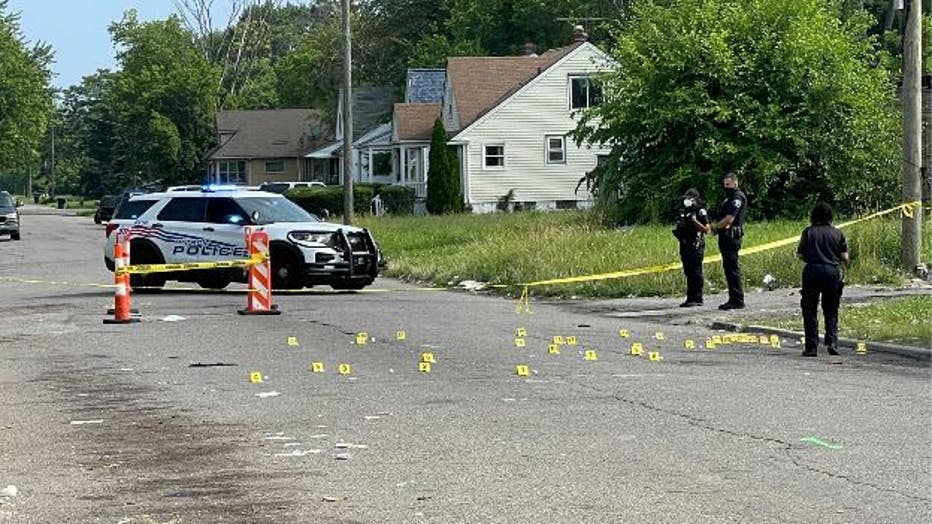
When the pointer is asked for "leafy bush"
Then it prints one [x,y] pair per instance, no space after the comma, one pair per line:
[398,200]
[443,176]
[328,201]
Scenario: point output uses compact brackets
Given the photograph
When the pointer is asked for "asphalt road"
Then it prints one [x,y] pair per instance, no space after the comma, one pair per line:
[158,422]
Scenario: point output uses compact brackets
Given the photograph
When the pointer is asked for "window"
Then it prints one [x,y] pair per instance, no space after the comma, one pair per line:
[556,149]
[184,210]
[277,166]
[232,172]
[225,211]
[584,92]
[133,209]
[566,204]
[493,156]
[382,163]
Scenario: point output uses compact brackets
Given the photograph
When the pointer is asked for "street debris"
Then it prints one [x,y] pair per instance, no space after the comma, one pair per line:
[85,422]
[10,491]
[299,453]
[173,318]
[213,365]
[341,456]
[266,394]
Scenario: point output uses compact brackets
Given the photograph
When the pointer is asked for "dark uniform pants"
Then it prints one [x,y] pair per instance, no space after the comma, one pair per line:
[691,257]
[729,248]
[825,280]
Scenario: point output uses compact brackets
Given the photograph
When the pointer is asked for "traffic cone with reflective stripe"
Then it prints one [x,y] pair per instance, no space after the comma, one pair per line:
[121,301]
[259,298]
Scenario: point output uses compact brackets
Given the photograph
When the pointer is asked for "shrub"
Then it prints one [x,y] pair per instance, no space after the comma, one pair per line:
[443,178]
[398,200]
[329,200]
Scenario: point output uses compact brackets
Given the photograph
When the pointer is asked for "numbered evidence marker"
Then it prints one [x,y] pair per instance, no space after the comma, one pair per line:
[429,358]
[860,349]
[590,355]
[345,369]
[255,377]
[658,335]
[559,340]
[292,341]
[624,333]
[317,367]
[774,342]
[570,341]
[423,367]
[689,344]
[709,343]
[519,343]
[401,336]
[654,356]
[763,340]
[553,349]
[636,349]
[520,333]
[522,371]
[362,338]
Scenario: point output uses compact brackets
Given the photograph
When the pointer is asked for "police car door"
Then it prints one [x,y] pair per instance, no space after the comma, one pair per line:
[226,221]
[179,229]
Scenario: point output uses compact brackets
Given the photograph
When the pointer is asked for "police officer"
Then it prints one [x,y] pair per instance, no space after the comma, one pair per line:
[729,226]
[691,228]
[823,248]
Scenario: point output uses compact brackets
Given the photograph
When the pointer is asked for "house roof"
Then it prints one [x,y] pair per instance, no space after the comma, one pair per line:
[380,135]
[372,106]
[481,83]
[272,133]
[425,86]
[415,121]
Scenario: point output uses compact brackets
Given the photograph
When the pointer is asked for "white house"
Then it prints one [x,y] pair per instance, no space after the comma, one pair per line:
[510,117]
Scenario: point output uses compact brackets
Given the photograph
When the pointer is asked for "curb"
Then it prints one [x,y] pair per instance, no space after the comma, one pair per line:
[913,352]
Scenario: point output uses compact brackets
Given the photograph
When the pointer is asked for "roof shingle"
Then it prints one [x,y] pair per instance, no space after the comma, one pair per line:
[273,133]
[415,121]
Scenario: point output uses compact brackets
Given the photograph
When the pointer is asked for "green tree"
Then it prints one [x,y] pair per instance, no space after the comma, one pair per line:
[25,95]
[443,178]
[166,96]
[781,91]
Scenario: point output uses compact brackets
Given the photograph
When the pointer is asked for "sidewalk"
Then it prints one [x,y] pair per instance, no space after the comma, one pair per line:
[760,303]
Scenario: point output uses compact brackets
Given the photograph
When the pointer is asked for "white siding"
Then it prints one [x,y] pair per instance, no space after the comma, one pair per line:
[522,123]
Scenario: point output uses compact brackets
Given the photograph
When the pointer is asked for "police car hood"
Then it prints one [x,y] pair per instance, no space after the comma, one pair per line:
[281,229]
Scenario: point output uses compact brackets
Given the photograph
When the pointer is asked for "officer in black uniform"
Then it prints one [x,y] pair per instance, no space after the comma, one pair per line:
[729,226]
[823,248]
[691,228]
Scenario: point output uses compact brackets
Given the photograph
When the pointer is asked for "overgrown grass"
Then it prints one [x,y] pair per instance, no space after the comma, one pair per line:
[902,320]
[525,247]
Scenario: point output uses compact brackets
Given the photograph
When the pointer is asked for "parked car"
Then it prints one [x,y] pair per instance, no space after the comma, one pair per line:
[105,208]
[282,187]
[208,226]
[9,216]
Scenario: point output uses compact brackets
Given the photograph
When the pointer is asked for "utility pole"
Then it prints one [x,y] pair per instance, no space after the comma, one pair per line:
[347,116]
[912,135]
[52,164]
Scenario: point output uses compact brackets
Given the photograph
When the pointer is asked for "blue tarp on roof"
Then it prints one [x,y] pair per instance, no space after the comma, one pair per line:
[425,86]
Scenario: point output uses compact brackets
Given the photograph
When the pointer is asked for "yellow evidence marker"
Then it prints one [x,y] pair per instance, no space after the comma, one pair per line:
[553,349]
[624,333]
[317,367]
[860,349]
[292,341]
[590,355]
[689,344]
[774,343]
[658,335]
[429,358]
[557,339]
[570,341]
[520,333]
[764,341]
[423,367]
[522,371]
[361,338]
[774,339]
[519,343]
[709,343]
[401,336]
[637,349]
[654,356]
[345,369]
[717,340]
[255,377]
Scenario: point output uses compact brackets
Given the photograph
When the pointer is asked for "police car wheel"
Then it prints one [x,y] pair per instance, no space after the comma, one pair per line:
[145,254]
[286,270]
[350,285]
[213,282]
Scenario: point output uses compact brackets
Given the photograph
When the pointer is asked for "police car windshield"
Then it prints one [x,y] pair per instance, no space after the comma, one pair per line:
[272,210]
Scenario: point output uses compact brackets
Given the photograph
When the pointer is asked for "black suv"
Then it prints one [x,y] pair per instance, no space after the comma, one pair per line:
[105,208]
[9,216]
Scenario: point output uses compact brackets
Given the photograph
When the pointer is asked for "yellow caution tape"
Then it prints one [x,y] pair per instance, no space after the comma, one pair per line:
[144,269]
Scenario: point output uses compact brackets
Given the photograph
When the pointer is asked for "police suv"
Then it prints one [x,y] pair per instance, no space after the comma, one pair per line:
[209,226]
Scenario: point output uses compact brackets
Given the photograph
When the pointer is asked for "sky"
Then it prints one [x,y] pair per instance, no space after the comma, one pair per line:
[77,30]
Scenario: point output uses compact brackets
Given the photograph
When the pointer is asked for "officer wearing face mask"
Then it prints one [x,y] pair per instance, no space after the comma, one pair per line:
[691,228]
[729,226]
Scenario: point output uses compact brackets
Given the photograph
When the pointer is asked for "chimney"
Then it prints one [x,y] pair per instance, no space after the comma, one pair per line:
[529,49]
[579,34]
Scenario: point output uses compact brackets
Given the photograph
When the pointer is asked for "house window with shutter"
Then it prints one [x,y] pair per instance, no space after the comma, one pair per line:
[276,166]
[556,149]
[493,156]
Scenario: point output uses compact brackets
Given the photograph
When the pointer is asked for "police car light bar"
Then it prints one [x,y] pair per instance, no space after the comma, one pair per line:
[210,188]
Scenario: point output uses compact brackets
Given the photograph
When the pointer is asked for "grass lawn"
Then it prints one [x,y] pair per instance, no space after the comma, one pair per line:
[903,320]
[524,247]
